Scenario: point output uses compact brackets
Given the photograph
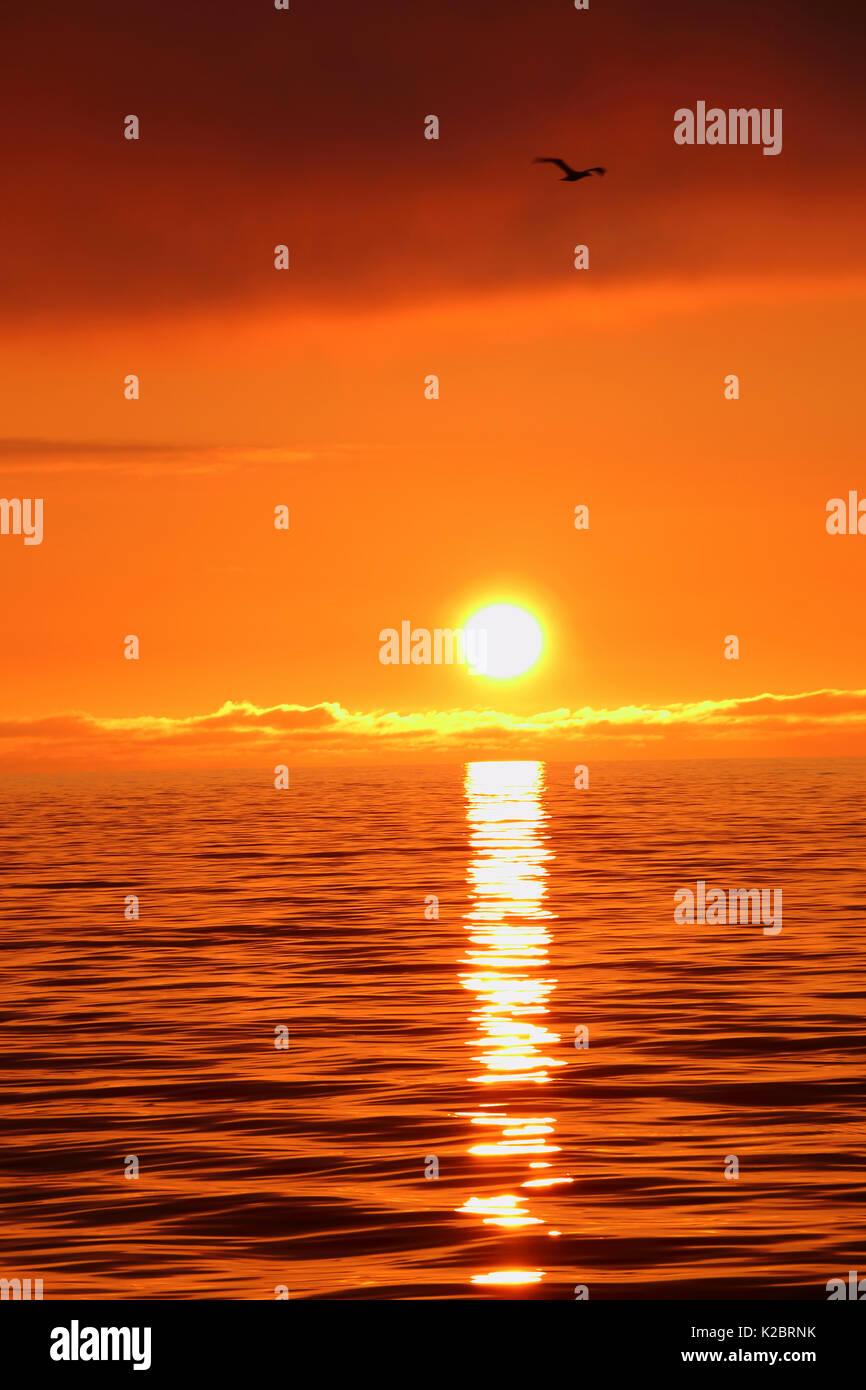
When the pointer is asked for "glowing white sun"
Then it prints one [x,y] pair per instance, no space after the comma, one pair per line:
[502,641]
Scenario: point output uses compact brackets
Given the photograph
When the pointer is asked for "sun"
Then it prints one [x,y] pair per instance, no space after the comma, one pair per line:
[502,641]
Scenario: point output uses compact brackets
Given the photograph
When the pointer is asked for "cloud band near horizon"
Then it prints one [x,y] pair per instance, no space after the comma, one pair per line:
[830,722]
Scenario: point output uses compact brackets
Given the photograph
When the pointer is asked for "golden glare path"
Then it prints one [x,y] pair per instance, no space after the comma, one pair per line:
[506,967]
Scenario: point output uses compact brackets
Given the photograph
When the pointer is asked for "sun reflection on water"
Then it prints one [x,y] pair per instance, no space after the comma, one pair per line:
[507,968]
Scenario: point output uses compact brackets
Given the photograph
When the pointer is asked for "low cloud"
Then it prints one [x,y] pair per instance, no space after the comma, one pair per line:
[815,722]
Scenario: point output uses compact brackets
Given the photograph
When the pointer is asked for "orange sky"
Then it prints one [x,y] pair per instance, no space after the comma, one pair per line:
[412,257]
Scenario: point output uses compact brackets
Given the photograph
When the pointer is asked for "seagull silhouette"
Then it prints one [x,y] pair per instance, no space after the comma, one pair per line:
[570,175]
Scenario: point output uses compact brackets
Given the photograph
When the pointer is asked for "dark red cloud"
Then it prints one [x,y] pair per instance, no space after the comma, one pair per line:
[260,126]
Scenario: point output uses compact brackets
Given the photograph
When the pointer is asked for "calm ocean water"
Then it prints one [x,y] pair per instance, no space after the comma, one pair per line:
[416,1042]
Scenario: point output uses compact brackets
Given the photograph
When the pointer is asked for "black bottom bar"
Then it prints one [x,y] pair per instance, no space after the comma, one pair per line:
[215,1341]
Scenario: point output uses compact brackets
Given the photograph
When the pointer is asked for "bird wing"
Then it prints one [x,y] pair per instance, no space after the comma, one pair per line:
[566,168]
[596,169]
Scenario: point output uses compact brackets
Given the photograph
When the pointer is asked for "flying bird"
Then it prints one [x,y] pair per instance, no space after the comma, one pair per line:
[570,175]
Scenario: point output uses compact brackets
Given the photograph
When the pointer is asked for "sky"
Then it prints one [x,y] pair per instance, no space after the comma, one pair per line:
[305,388]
